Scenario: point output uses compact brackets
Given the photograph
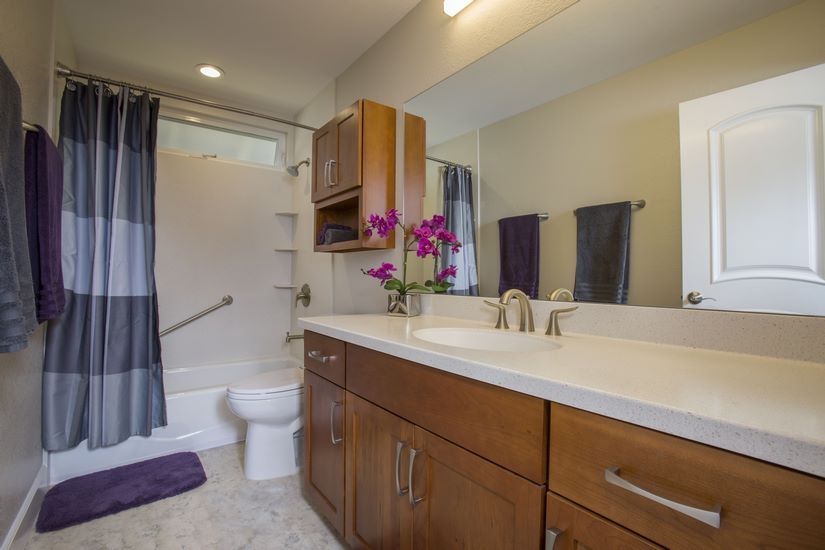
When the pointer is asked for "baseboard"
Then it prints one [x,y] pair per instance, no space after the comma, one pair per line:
[27,512]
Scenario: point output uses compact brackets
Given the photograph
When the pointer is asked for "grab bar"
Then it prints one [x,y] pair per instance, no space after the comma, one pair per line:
[225,301]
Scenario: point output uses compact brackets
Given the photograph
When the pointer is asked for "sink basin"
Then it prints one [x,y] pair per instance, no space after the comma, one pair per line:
[486,339]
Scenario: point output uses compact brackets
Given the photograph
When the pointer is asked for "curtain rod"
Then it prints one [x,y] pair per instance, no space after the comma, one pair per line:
[450,163]
[65,72]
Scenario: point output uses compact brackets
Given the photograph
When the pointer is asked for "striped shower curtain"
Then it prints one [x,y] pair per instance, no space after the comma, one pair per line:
[102,378]
[457,183]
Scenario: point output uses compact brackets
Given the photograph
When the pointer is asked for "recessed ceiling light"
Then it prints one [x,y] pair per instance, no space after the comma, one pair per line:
[210,70]
[452,7]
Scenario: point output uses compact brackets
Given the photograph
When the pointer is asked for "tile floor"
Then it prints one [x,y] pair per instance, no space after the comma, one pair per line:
[227,512]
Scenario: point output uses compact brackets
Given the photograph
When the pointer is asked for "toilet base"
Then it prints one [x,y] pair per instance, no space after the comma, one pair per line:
[269,451]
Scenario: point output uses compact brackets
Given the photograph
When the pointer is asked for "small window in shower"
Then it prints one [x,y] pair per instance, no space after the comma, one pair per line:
[200,139]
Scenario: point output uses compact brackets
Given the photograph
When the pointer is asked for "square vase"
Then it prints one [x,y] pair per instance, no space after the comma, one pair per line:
[408,305]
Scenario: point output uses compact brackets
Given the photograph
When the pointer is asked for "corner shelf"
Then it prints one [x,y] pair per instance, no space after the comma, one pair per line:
[290,214]
[285,249]
[284,285]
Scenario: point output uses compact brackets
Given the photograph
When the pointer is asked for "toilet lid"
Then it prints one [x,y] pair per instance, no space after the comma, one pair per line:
[269,382]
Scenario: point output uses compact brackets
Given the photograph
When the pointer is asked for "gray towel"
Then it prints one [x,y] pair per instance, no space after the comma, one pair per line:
[603,253]
[17,317]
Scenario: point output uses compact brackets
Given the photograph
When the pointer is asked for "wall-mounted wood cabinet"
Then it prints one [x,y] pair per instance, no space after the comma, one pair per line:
[353,174]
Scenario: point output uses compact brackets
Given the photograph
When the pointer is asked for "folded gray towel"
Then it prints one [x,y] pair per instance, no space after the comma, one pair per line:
[17,316]
[338,235]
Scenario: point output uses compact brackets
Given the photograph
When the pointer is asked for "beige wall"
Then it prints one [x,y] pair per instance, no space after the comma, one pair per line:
[422,49]
[619,140]
[26,47]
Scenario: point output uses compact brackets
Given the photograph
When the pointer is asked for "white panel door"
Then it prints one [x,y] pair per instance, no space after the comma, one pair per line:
[753,196]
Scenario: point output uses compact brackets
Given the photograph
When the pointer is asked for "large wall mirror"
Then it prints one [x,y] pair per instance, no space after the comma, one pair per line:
[703,120]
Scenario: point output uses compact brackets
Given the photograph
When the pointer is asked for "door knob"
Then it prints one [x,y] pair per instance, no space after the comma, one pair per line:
[695,297]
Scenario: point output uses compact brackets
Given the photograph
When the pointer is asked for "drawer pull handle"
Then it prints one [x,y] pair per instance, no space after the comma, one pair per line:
[332,406]
[399,446]
[320,357]
[550,538]
[413,499]
[710,517]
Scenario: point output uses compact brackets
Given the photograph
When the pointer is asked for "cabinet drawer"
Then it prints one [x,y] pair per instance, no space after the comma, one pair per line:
[503,426]
[580,529]
[761,505]
[325,357]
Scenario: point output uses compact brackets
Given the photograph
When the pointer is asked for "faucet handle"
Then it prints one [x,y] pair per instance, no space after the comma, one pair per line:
[553,326]
[501,322]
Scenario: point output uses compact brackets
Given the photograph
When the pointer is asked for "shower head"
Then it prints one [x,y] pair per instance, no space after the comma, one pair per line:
[293,170]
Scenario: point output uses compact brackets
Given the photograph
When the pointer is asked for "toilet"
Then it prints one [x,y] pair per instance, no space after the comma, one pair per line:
[272,405]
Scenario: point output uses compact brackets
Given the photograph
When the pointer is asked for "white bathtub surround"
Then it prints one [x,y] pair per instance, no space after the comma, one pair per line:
[272,405]
[196,411]
[228,511]
[783,336]
[768,408]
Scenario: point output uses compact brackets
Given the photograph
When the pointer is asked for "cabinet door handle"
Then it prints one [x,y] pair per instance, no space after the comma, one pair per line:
[320,357]
[711,517]
[413,499]
[335,440]
[332,165]
[550,538]
[399,446]
[326,174]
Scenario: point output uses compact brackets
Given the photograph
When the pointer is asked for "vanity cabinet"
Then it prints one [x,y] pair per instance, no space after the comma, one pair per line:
[409,488]
[353,173]
[324,416]
[378,512]
[433,460]
[654,484]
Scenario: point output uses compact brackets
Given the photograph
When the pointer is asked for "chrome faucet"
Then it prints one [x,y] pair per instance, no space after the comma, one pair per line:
[526,323]
[553,326]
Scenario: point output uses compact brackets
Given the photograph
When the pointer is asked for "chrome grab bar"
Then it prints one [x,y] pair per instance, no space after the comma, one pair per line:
[225,301]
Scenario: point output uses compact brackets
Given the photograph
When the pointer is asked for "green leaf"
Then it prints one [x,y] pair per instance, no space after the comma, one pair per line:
[417,287]
[393,284]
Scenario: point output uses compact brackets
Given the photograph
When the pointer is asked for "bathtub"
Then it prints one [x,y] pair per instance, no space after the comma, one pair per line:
[197,415]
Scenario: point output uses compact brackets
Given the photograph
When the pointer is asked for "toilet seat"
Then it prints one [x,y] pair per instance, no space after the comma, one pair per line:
[268,385]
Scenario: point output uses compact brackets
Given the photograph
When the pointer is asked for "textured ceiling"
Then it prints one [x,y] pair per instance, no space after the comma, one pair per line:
[277,54]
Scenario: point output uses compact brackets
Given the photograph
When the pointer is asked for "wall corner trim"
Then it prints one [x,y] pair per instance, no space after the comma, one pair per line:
[24,520]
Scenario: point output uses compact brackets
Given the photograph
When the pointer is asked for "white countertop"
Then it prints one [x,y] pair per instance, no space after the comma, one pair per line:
[772,409]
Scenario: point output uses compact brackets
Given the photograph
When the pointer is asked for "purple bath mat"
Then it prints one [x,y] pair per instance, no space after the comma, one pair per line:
[92,496]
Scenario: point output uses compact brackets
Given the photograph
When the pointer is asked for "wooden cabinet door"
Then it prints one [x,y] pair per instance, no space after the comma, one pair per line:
[571,527]
[323,152]
[345,172]
[468,502]
[324,447]
[378,512]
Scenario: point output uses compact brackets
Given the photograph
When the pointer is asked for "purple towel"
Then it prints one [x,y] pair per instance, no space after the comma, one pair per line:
[92,496]
[44,201]
[519,249]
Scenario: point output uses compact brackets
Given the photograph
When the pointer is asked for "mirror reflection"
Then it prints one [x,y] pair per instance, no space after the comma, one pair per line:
[642,152]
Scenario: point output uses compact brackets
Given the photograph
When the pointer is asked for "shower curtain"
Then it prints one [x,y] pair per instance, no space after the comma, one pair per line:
[102,378]
[457,183]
